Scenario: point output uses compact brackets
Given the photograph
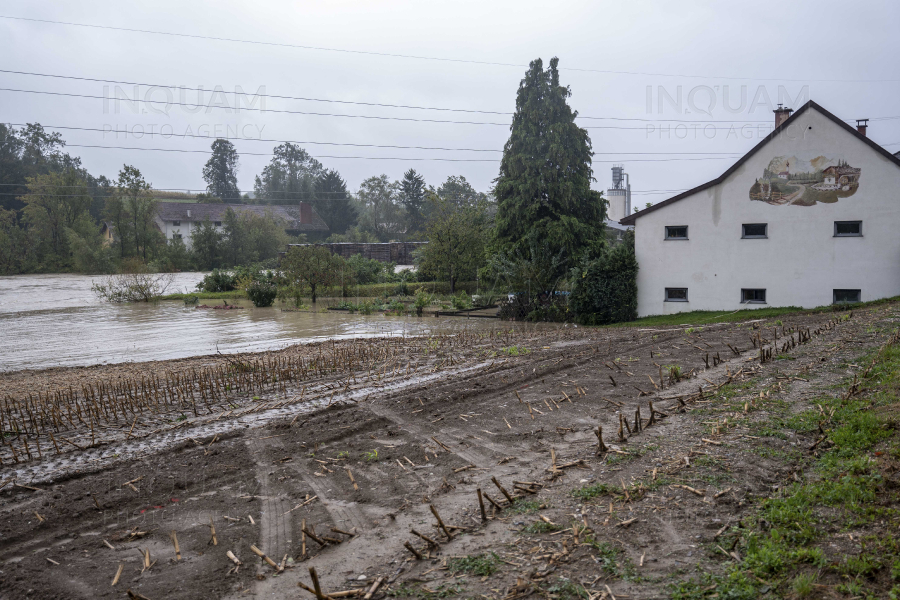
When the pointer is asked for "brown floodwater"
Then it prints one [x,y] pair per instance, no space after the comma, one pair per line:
[55,320]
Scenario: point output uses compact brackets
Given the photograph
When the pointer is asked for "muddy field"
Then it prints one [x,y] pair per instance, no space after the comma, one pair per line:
[333,467]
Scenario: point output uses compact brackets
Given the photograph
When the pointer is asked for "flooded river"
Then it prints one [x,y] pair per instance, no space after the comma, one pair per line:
[55,320]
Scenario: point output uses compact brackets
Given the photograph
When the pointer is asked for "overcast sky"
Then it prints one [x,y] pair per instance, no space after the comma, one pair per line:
[616,57]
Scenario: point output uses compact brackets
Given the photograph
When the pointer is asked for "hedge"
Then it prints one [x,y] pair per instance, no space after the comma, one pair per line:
[605,291]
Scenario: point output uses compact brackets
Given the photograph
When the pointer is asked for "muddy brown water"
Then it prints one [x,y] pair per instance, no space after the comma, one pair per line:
[56,321]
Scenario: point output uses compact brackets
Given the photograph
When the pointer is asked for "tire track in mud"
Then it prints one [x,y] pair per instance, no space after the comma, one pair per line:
[275,520]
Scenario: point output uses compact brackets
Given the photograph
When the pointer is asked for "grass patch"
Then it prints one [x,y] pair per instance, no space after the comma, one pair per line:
[703,317]
[539,527]
[612,560]
[524,507]
[424,593]
[566,589]
[787,538]
[482,565]
[232,295]
[589,492]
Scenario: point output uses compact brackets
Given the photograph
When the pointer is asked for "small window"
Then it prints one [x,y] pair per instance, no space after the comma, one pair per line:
[676,232]
[751,296]
[676,295]
[176,236]
[847,296]
[217,223]
[848,229]
[754,230]
[176,223]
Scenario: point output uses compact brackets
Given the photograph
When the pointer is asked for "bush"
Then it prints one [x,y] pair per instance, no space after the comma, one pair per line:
[132,287]
[218,281]
[262,293]
[605,290]
[461,301]
[191,300]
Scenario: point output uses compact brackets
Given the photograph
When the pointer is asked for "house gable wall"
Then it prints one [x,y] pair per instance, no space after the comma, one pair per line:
[801,262]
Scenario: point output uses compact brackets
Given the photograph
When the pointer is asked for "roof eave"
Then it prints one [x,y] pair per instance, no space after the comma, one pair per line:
[631,219]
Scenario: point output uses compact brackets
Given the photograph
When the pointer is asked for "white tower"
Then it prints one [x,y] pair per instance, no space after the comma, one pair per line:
[619,195]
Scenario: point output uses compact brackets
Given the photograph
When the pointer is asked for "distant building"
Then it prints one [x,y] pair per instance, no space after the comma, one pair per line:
[179,219]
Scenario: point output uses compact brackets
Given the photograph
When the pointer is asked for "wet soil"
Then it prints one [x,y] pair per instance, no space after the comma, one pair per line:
[363,468]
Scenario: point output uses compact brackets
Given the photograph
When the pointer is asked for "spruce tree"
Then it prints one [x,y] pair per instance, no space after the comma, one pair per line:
[333,203]
[220,172]
[544,188]
[412,195]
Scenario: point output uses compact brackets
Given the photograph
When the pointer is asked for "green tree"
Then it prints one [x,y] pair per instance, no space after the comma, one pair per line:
[412,196]
[55,204]
[605,289]
[290,177]
[220,172]
[312,266]
[15,248]
[132,210]
[543,189]
[382,212]
[206,244]
[456,234]
[333,204]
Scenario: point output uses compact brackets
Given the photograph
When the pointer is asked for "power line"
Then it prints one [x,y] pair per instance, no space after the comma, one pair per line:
[306,142]
[261,110]
[167,103]
[277,141]
[182,150]
[418,57]
[378,104]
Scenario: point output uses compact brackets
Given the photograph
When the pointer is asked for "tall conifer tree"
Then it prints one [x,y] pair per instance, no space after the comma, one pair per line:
[544,187]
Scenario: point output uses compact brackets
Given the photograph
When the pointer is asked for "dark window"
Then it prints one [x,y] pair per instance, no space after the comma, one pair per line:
[676,295]
[176,223]
[847,228]
[217,223]
[676,232]
[176,236]
[754,230]
[753,296]
[844,296]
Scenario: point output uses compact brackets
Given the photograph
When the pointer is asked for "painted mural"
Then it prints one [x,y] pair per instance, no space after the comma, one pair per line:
[804,182]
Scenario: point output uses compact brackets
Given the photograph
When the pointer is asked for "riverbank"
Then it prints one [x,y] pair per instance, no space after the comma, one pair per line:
[364,438]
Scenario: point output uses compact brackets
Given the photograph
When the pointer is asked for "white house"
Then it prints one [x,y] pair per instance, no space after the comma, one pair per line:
[179,219]
[807,218]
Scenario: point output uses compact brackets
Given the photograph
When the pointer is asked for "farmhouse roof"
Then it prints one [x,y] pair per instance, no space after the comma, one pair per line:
[630,219]
[178,211]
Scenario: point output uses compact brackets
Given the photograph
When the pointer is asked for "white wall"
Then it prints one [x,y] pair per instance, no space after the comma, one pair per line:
[800,263]
[186,229]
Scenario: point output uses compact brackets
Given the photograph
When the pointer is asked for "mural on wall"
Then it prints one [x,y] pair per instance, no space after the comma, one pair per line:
[803,182]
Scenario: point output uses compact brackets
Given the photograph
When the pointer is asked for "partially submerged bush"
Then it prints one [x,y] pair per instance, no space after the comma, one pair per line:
[262,293]
[132,287]
[217,281]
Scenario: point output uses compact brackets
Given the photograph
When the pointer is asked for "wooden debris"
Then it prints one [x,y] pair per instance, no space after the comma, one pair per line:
[440,522]
[502,490]
[212,531]
[262,555]
[118,574]
[373,589]
[233,558]
[413,550]
[353,481]
[174,537]
[481,505]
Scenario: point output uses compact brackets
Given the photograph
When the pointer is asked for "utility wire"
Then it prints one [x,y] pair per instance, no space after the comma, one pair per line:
[249,139]
[378,104]
[420,57]
[494,160]
[318,114]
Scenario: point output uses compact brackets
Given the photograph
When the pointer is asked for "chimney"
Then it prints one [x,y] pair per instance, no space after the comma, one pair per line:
[189,213]
[861,125]
[781,114]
